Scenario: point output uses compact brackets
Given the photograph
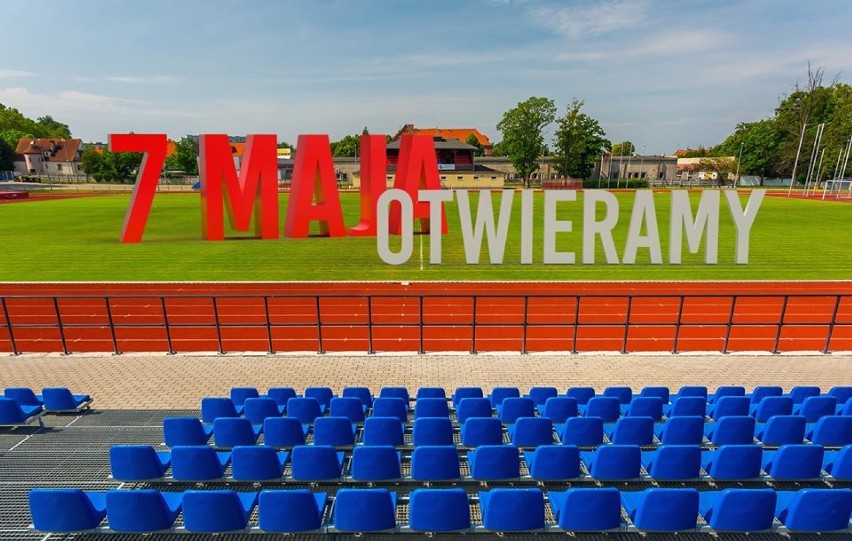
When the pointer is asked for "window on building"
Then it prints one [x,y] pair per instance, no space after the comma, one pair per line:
[59,167]
[475,177]
[459,177]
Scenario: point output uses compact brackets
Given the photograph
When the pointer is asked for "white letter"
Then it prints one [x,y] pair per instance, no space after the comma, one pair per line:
[707,218]
[643,209]
[743,220]
[406,232]
[553,226]
[433,197]
[526,227]
[592,227]
[472,234]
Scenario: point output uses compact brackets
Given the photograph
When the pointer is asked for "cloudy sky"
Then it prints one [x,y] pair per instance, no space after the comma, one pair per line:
[661,73]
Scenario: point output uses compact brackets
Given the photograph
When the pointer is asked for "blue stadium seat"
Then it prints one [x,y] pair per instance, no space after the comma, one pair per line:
[815,510]
[531,431]
[257,410]
[185,431]
[383,431]
[23,396]
[290,511]
[644,406]
[476,431]
[435,463]
[733,462]
[686,405]
[607,408]
[691,391]
[350,407]
[305,409]
[214,407]
[800,392]
[673,462]
[581,394]
[12,413]
[770,406]
[281,395]
[613,462]
[781,430]
[498,394]
[831,431]
[659,392]
[239,395]
[682,431]
[662,509]
[431,392]
[431,407]
[375,463]
[763,391]
[540,395]
[364,510]
[838,464]
[494,462]
[738,509]
[513,408]
[233,431]
[64,510]
[728,405]
[623,394]
[559,409]
[512,509]
[845,409]
[361,393]
[283,432]
[632,431]
[586,509]
[322,394]
[466,392]
[841,393]
[137,462]
[336,431]
[794,462]
[315,463]
[814,407]
[393,406]
[582,431]
[60,399]
[143,510]
[257,463]
[553,462]
[395,392]
[217,511]
[198,463]
[472,407]
[725,390]
[731,430]
[438,510]
[432,431]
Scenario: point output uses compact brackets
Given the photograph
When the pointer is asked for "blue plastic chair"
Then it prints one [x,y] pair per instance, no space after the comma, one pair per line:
[60,399]
[12,413]
[513,408]
[258,410]
[305,409]
[770,406]
[466,392]
[540,395]
[686,405]
[738,509]
[613,462]
[832,431]
[553,462]
[659,392]
[438,510]
[217,511]
[323,395]
[582,431]
[364,510]
[632,431]
[845,408]
[622,393]
[283,432]
[728,405]
[794,462]
[531,431]
[395,392]
[512,509]
[186,431]
[662,509]
[431,392]
[361,393]
[691,391]
[763,391]
[731,431]
[800,392]
[315,463]
[815,407]
[23,396]
[815,510]
[581,394]
[335,431]
[559,409]
[257,463]
[499,394]
[239,395]
[645,406]
[393,406]
[841,393]
[65,510]
[137,462]
[198,463]
[607,408]
[586,509]
[435,463]
[290,511]
[432,431]
[494,462]
[733,462]
[214,407]
[431,407]
[233,431]
[838,464]
[281,395]
[375,463]
[478,431]
[682,431]
[781,430]
[383,431]
[673,462]
[143,510]
[350,407]
[725,390]
[472,407]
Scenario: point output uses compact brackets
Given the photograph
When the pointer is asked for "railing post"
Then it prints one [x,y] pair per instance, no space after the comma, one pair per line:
[473,327]
[166,325]
[59,323]
[526,322]
[576,325]
[421,347]
[370,349]
[320,349]
[730,324]
[9,326]
[216,320]
[627,324]
[832,324]
[780,324]
[111,327]
[678,324]
[270,347]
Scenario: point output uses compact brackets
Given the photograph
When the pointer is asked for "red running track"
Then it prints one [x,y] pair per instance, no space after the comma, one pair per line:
[297,319]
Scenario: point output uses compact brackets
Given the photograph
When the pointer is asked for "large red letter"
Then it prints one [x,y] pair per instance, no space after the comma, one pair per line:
[154,147]
[417,170]
[256,188]
[313,178]
[373,182]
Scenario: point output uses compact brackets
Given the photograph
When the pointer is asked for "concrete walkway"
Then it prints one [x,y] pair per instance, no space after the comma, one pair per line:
[179,381]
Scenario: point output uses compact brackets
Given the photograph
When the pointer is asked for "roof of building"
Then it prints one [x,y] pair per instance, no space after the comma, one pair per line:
[446,133]
[61,150]
[440,144]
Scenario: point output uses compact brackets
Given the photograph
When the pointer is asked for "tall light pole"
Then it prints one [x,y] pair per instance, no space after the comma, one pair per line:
[740,159]
[796,163]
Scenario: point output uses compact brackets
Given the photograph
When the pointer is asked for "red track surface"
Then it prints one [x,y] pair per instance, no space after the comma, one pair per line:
[447,314]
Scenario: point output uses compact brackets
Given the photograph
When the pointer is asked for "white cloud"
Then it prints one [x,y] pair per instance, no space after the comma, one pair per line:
[592,19]
[8,73]
[145,79]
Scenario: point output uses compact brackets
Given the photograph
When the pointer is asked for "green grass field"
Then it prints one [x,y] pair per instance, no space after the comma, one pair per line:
[76,239]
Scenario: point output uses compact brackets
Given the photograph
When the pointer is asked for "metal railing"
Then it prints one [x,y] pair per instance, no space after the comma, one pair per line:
[574,319]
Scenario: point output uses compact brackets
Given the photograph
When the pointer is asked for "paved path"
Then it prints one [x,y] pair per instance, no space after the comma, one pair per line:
[179,381]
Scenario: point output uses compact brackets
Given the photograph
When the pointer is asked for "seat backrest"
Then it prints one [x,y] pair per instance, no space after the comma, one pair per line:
[623,394]
[255,463]
[815,510]
[499,394]
[383,431]
[281,394]
[364,510]
[742,510]
[685,430]
[795,462]
[64,510]
[814,407]
[135,463]
[240,394]
[581,394]
[435,463]
[283,432]
[762,391]
[22,395]
[58,398]
[688,405]
[633,431]
[258,409]
[196,463]
[431,407]
[215,510]
[616,462]
[800,392]
[431,392]
[476,431]
[361,393]
[304,409]
[839,463]
[512,509]
[315,463]
[553,462]
[290,511]
[646,406]
[773,405]
[233,431]
[514,407]
[607,408]
[348,406]
[676,462]
[213,407]
[142,510]
[375,463]
[322,394]
[398,392]
[832,430]
[559,408]
[11,412]
[660,392]
[532,431]
[730,405]
[582,431]
[466,392]
[733,430]
[494,462]
[692,391]
[184,431]
[841,393]
[391,407]
[734,462]
[473,407]
[540,395]
[336,431]
[726,390]
[587,509]
[666,509]
[432,431]
[438,510]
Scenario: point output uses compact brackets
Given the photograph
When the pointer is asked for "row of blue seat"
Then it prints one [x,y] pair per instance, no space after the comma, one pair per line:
[441,510]
[52,399]
[486,462]
[832,431]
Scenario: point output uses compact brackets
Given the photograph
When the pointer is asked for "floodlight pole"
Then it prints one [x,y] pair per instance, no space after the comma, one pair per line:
[813,160]
[742,144]
[796,163]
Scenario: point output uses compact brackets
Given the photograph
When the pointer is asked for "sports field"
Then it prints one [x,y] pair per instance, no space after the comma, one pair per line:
[76,239]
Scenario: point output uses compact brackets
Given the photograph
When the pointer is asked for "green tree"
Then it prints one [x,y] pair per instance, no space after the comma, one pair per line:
[523,138]
[185,157]
[474,142]
[498,149]
[109,166]
[623,148]
[758,143]
[579,142]
[8,142]
[53,128]
[90,161]
[346,147]
[721,165]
